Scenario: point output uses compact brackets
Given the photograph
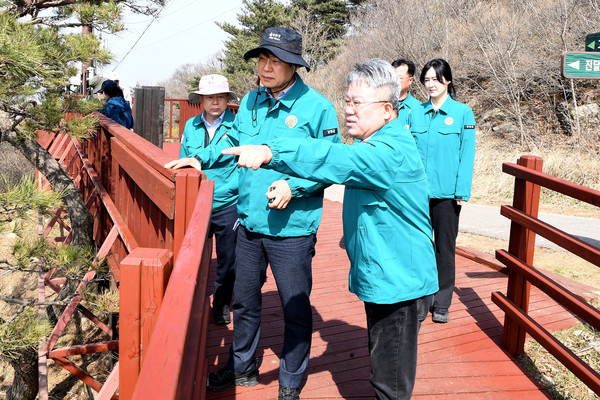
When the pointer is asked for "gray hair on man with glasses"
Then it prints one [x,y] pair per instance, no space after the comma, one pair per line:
[378,73]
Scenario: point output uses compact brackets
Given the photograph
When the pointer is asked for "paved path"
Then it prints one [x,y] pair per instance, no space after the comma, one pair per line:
[487,221]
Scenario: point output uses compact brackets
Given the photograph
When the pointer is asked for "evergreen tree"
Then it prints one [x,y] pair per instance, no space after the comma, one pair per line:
[322,24]
[37,58]
[256,16]
[38,55]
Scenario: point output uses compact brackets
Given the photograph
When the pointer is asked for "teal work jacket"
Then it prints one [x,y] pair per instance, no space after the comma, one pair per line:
[410,112]
[387,229]
[223,171]
[301,113]
[446,142]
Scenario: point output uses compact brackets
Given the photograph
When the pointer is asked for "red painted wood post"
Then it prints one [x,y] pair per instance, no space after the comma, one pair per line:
[522,245]
[144,276]
[129,322]
[155,276]
[187,186]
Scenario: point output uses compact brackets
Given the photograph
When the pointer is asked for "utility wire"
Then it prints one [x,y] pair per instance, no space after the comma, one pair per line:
[193,27]
[140,37]
[169,37]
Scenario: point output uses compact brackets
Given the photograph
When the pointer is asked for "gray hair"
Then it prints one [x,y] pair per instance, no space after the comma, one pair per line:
[377,73]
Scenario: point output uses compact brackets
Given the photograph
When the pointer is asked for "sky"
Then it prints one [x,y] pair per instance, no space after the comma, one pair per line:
[185,32]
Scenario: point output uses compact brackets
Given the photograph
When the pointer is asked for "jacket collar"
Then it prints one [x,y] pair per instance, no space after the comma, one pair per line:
[445,108]
[228,119]
[406,101]
[290,97]
[392,126]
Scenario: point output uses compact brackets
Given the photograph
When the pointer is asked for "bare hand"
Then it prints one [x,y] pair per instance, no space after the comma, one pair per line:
[184,162]
[281,193]
[251,156]
[460,202]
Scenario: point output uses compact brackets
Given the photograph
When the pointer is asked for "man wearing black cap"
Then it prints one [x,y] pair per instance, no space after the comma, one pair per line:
[279,214]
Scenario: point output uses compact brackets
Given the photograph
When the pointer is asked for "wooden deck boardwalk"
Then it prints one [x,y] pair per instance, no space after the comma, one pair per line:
[459,360]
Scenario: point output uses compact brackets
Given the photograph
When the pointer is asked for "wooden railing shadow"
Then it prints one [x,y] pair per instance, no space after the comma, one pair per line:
[522,274]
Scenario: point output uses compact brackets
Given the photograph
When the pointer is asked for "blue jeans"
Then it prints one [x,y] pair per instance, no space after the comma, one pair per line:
[444,220]
[393,331]
[222,224]
[290,259]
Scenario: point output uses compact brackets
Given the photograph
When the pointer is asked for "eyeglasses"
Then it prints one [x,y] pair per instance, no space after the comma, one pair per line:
[357,105]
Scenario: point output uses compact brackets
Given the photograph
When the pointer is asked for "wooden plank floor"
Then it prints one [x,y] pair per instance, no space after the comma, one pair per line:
[458,360]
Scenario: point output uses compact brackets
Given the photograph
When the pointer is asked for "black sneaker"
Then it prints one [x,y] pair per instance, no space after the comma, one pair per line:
[440,315]
[225,378]
[222,314]
[286,393]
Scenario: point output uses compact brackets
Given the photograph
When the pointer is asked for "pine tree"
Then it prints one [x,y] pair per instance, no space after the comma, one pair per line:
[37,57]
[322,24]
[256,16]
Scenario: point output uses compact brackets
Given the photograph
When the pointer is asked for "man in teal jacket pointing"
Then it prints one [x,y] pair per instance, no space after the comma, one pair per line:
[387,229]
[279,214]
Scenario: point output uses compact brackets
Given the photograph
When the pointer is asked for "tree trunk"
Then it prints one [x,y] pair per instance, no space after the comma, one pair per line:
[25,382]
[81,219]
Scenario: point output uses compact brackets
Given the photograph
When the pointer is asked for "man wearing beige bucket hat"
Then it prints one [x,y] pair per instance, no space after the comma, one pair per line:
[208,128]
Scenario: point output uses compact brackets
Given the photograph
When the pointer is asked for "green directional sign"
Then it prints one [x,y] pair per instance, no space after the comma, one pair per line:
[592,42]
[581,65]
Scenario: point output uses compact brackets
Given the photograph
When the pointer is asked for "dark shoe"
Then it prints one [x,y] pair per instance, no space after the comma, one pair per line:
[225,378]
[222,314]
[286,393]
[440,315]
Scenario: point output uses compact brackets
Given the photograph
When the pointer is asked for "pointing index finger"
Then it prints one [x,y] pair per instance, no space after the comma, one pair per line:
[232,151]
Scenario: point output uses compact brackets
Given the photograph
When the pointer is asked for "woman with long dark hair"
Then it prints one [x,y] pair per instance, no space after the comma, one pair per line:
[116,107]
[446,144]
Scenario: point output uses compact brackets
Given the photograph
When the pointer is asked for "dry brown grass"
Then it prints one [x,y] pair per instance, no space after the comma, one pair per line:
[493,187]
[558,381]
[560,262]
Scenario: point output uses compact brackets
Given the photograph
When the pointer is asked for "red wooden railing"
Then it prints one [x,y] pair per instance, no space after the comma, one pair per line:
[522,274]
[152,223]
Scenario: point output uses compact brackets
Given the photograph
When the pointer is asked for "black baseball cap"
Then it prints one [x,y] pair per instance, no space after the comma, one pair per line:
[284,43]
[107,84]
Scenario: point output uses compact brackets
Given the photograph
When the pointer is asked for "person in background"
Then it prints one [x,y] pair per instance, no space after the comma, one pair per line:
[94,85]
[410,111]
[211,126]
[279,214]
[446,143]
[116,108]
[387,231]
[115,77]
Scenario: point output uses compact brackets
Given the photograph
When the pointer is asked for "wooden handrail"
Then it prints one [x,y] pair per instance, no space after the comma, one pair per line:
[561,295]
[173,365]
[555,235]
[142,212]
[559,185]
[569,359]
[525,224]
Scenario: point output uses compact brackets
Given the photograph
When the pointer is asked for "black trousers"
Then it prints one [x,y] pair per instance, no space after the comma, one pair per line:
[393,331]
[444,219]
[222,227]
